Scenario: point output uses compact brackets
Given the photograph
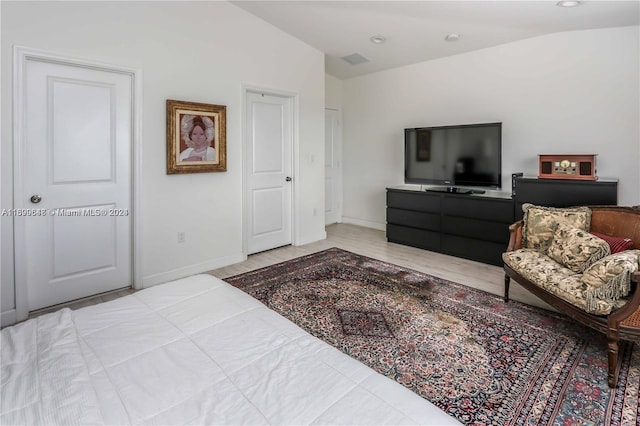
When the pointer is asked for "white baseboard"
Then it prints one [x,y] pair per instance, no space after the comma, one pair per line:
[365,223]
[8,318]
[319,237]
[186,271]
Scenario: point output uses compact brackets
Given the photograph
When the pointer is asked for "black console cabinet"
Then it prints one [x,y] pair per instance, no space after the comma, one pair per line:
[563,193]
[471,226]
[474,226]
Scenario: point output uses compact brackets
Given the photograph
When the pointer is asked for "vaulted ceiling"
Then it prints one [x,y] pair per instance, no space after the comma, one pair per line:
[415,31]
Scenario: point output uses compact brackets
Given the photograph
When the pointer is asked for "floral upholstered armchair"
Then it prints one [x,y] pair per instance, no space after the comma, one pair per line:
[583,261]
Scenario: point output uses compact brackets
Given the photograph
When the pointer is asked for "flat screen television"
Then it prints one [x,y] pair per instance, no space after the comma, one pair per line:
[467,155]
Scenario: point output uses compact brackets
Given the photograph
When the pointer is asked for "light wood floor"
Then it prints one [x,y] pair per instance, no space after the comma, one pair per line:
[368,242]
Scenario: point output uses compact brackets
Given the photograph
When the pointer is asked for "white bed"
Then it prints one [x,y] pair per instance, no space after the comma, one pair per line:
[193,351]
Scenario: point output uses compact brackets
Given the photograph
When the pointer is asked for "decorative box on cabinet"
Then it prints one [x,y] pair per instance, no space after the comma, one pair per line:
[563,193]
[475,227]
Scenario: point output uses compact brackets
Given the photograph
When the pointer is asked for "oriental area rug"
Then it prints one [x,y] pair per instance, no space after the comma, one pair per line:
[481,360]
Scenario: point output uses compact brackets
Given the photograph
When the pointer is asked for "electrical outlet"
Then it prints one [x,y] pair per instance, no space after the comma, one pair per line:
[315,211]
[181,237]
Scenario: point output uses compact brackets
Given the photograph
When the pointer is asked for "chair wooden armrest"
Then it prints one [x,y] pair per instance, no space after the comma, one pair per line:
[515,236]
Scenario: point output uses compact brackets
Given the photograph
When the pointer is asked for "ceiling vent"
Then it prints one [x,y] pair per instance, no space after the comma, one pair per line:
[355,59]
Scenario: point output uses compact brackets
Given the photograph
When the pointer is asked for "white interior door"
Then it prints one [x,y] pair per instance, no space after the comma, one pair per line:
[269,178]
[76,174]
[332,171]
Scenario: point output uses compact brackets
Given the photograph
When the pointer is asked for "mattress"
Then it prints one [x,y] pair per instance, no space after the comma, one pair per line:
[192,351]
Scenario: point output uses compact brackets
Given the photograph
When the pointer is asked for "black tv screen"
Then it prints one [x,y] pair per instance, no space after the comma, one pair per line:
[464,155]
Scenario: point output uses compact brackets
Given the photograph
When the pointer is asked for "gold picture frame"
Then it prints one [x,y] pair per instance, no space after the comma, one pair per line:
[196,137]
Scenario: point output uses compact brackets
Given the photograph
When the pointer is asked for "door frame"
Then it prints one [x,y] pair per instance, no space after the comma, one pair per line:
[21,55]
[295,164]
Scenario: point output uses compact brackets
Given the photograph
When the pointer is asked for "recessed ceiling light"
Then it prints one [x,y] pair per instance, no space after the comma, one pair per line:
[452,37]
[377,39]
[568,3]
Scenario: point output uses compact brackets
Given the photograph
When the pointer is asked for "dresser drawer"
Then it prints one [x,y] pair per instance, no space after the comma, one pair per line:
[414,219]
[479,229]
[488,209]
[420,238]
[418,201]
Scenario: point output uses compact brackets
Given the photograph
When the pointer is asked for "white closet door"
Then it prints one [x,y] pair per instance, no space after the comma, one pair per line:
[269,178]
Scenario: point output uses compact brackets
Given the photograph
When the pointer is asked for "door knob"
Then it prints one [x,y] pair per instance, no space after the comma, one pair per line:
[35,199]
[288,179]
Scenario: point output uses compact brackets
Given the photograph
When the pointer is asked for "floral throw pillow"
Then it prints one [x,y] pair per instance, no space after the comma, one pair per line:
[576,249]
[540,223]
[610,277]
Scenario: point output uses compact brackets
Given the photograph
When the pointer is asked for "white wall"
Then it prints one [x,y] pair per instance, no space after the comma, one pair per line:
[192,51]
[333,92]
[573,92]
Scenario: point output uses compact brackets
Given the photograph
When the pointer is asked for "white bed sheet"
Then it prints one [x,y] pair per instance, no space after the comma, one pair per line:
[192,351]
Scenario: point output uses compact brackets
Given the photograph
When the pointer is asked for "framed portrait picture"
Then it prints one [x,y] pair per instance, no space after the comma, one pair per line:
[196,137]
[423,145]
